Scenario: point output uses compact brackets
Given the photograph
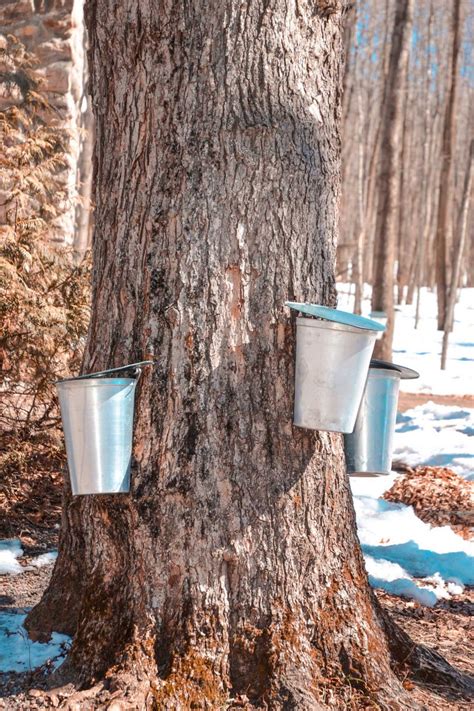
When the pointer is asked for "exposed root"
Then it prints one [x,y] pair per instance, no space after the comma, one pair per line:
[422,665]
[76,700]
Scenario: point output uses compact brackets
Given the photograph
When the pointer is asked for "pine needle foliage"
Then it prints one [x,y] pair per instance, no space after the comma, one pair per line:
[44,296]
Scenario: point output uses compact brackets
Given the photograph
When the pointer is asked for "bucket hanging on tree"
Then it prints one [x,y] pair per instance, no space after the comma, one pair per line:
[380,317]
[97,415]
[369,447]
[333,351]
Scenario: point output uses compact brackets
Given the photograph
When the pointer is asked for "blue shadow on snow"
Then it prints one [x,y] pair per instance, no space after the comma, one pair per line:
[421,563]
[444,460]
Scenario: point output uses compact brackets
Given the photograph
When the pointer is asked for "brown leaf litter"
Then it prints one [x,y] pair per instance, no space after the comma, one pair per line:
[438,495]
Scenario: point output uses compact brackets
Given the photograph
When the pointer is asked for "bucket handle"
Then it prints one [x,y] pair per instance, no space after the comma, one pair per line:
[136,368]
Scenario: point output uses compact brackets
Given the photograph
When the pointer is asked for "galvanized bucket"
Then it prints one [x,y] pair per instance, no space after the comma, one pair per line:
[369,447]
[380,317]
[332,360]
[97,414]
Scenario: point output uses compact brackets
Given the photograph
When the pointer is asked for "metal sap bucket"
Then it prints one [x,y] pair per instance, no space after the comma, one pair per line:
[332,360]
[369,447]
[97,414]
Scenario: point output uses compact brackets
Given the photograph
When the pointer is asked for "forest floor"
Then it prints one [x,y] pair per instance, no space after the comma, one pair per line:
[30,510]
[446,628]
[408,400]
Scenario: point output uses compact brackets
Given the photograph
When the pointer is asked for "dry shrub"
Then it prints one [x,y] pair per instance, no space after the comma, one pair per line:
[44,296]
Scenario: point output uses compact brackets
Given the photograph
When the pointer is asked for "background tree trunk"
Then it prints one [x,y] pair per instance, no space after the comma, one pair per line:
[446,177]
[427,91]
[427,188]
[358,270]
[458,255]
[388,179]
[83,227]
[233,568]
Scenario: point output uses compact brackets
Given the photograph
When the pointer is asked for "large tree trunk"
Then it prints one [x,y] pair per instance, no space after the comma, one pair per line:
[388,187]
[233,568]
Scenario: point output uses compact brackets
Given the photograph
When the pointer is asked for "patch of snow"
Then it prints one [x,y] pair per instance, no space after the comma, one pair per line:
[392,578]
[399,547]
[384,570]
[10,550]
[436,435]
[18,653]
[385,523]
[444,589]
[373,486]
[44,559]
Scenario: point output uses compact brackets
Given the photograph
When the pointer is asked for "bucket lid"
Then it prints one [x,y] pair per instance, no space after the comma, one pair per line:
[345,317]
[132,370]
[405,373]
[378,314]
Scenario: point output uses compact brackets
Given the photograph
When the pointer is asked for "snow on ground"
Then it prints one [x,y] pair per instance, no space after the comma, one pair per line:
[404,555]
[10,551]
[43,559]
[398,547]
[394,579]
[18,653]
[421,348]
[437,436]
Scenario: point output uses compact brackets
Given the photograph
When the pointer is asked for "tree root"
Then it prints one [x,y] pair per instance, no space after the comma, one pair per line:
[422,665]
[285,674]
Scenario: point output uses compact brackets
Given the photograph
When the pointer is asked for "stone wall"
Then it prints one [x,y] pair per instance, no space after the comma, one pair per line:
[53,31]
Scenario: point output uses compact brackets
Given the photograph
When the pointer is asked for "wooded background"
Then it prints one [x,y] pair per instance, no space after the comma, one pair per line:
[436,104]
[407,138]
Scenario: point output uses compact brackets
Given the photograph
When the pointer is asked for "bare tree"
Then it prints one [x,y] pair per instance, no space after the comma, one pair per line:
[458,255]
[388,177]
[361,216]
[446,178]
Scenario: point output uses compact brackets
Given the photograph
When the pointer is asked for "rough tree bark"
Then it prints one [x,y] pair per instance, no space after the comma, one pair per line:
[233,569]
[388,183]
[446,176]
